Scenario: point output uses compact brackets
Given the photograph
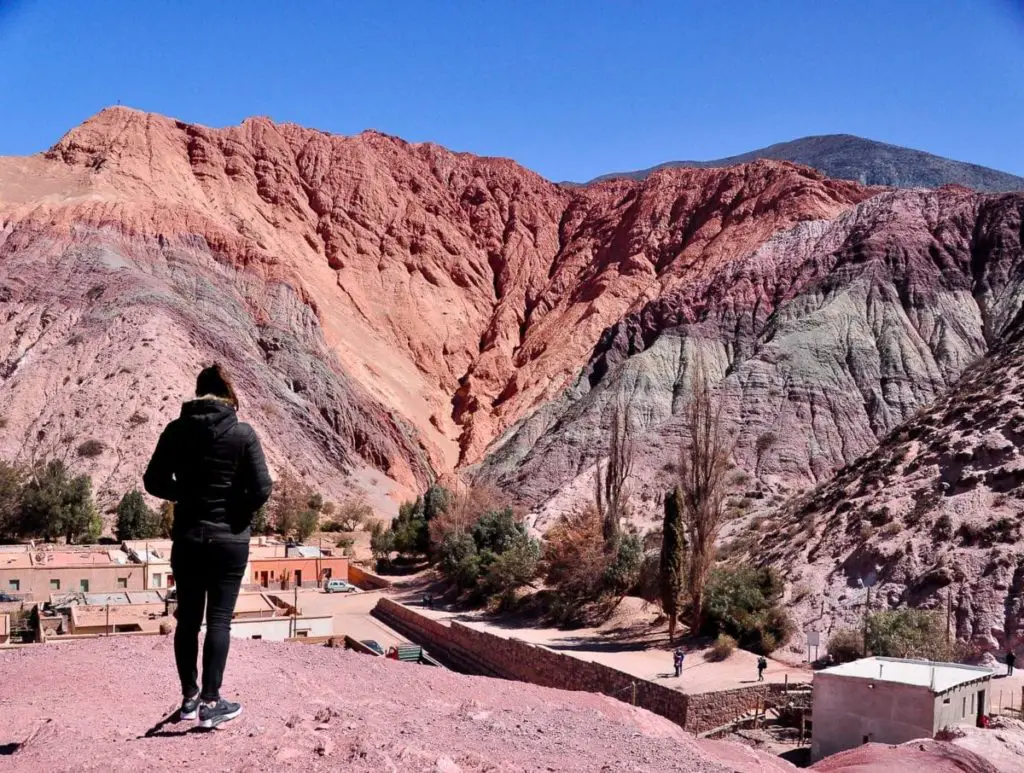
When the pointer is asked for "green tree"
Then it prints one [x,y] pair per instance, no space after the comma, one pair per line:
[54,505]
[908,633]
[382,542]
[12,480]
[673,560]
[289,501]
[497,531]
[134,518]
[623,573]
[514,567]
[743,601]
[261,521]
[459,560]
[436,501]
[308,522]
[165,520]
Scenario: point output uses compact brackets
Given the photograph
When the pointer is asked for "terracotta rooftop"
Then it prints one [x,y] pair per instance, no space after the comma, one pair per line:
[86,616]
[15,561]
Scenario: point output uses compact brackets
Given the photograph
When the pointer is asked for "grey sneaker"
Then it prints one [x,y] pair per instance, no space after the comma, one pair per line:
[220,712]
[189,707]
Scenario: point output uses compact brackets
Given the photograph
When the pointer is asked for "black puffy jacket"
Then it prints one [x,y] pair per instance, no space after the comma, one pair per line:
[212,467]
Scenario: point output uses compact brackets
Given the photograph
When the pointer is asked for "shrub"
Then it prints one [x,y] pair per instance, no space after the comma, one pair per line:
[623,574]
[723,647]
[574,559]
[91,448]
[942,529]
[138,418]
[845,645]
[765,442]
[908,633]
[743,603]
[459,560]
[513,568]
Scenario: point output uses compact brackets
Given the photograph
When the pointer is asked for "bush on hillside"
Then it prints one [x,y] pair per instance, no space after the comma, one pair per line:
[743,602]
[845,645]
[723,647]
[91,448]
[909,633]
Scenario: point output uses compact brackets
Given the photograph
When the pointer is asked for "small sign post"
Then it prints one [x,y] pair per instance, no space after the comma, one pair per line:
[813,640]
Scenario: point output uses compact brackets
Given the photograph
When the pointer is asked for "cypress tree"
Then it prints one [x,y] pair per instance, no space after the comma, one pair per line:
[673,560]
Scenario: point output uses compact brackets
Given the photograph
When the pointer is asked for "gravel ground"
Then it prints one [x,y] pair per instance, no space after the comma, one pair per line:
[101,704]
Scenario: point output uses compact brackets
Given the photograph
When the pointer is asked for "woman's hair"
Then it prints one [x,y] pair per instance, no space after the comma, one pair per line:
[215,382]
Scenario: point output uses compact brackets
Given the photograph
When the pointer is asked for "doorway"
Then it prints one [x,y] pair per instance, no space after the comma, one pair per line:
[981,706]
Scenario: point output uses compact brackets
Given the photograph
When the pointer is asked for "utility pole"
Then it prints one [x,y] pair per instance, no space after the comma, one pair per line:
[867,611]
[108,618]
[949,611]
[295,612]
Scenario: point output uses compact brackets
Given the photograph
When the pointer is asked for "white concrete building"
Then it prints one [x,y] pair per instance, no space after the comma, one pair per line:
[281,628]
[891,701]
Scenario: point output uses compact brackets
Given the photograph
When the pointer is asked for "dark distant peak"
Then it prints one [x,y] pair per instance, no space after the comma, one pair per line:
[848,157]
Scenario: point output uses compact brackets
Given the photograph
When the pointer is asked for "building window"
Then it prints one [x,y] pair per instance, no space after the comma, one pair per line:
[945,701]
[54,584]
[302,634]
[122,582]
[156,580]
[83,585]
[14,585]
[964,709]
[257,636]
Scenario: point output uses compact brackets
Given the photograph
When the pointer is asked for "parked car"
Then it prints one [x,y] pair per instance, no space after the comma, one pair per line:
[340,586]
[9,597]
[374,645]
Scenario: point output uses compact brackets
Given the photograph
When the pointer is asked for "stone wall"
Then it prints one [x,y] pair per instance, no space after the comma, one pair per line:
[481,652]
[366,580]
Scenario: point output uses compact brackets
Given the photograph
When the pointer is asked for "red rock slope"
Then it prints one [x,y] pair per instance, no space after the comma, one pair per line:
[388,306]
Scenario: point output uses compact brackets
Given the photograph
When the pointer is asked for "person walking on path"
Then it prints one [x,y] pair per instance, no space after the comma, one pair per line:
[1011,659]
[212,467]
[762,664]
[677,660]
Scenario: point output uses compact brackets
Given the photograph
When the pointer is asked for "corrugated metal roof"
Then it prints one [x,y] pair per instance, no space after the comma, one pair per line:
[939,677]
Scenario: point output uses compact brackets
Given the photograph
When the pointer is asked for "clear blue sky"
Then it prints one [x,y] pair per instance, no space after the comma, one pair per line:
[570,89]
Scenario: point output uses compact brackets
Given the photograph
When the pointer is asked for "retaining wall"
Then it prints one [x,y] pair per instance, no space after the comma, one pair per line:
[366,580]
[493,655]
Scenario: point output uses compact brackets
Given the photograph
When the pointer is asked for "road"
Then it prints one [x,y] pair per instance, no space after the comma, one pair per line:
[351,613]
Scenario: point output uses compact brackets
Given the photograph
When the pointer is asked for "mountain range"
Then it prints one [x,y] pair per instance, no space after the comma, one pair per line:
[397,313]
[847,157]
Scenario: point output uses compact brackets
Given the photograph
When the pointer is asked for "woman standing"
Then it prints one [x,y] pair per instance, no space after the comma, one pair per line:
[212,467]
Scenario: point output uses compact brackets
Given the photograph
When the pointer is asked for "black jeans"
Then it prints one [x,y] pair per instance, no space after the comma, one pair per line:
[208,570]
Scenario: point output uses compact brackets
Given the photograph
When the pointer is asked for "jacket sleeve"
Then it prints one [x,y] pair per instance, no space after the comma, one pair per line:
[255,479]
[159,478]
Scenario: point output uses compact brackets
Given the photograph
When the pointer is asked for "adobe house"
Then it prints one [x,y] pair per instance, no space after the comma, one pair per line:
[36,572]
[891,701]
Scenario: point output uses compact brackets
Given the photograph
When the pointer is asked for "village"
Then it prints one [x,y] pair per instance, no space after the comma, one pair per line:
[309,595]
